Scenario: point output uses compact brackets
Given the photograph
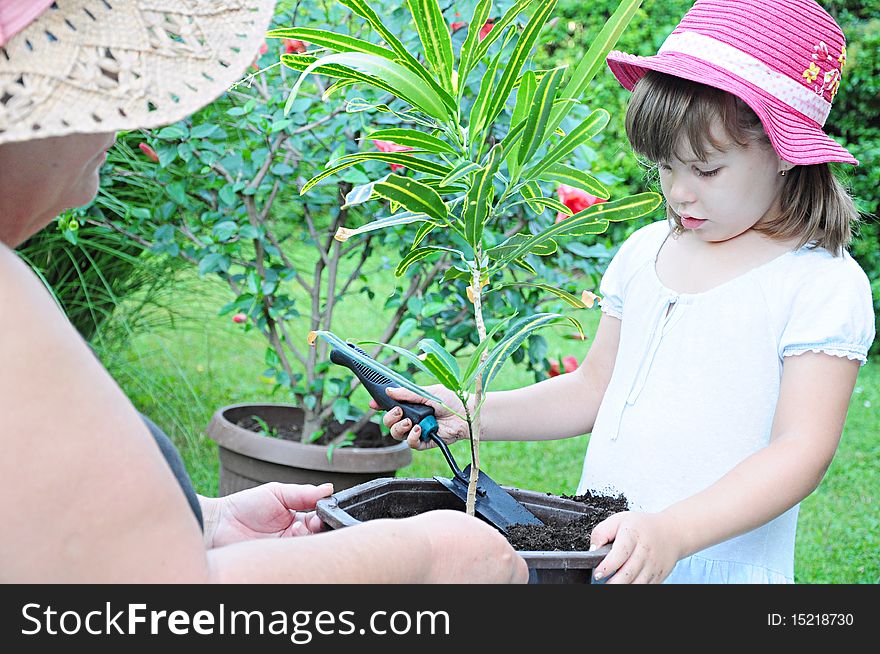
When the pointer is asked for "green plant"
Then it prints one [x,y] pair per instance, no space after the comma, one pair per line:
[223,206]
[107,285]
[465,181]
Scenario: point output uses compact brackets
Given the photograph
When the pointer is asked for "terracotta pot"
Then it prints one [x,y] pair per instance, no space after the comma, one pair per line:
[248,459]
[398,498]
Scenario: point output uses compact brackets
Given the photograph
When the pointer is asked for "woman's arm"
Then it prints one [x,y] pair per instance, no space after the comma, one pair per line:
[810,415]
[559,407]
[88,497]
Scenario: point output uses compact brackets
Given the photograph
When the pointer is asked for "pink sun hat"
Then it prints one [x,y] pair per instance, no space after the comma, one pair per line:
[783,58]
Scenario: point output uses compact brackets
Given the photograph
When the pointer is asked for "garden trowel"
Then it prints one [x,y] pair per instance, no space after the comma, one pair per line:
[493,503]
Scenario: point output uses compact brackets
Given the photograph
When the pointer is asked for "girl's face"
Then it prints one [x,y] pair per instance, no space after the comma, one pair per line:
[40,179]
[727,195]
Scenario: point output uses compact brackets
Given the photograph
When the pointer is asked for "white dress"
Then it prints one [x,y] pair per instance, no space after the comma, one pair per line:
[694,391]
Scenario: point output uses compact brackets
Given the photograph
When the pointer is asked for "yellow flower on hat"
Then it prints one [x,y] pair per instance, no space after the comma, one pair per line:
[842,58]
[811,73]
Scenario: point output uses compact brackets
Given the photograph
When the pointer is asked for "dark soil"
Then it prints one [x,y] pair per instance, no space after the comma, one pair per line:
[369,436]
[572,536]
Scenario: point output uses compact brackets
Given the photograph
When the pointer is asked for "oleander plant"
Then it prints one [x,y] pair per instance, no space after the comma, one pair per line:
[473,156]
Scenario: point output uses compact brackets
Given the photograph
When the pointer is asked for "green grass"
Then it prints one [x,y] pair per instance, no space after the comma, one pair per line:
[180,375]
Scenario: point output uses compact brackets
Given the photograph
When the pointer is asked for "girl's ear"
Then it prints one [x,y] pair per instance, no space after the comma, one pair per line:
[784,167]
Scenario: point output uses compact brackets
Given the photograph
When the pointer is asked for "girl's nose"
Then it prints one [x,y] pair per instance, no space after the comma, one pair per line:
[679,193]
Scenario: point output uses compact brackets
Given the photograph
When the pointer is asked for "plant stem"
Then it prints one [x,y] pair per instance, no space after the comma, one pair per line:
[476,289]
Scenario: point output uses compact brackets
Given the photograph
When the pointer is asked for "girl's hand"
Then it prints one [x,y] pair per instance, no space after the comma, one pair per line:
[645,548]
[451,428]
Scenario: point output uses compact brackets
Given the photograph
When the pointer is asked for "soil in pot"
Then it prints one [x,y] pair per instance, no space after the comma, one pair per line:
[369,436]
[573,536]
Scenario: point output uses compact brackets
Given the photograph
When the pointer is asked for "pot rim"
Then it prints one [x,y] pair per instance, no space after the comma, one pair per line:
[242,441]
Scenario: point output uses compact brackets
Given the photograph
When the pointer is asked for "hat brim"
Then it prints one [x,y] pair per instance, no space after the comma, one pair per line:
[83,67]
[796,138]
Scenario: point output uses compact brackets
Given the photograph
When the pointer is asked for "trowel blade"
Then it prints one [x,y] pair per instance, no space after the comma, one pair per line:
[493,503]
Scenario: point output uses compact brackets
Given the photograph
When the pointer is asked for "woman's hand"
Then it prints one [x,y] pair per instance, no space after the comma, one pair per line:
[273,510]
[645,548]
[451,428]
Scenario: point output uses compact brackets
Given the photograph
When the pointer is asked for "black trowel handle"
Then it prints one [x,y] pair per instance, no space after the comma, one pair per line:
[419,414]
[376,384]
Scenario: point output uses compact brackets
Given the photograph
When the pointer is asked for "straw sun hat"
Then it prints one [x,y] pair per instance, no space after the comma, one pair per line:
[783,58]
[94,66]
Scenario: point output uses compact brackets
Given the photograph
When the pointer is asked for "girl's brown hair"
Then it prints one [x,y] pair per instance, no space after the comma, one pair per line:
[663,109]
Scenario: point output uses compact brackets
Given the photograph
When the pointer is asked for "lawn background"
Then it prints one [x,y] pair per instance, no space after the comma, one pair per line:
[180,373]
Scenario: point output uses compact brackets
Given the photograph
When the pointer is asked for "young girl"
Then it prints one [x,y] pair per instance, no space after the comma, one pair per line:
[718,381]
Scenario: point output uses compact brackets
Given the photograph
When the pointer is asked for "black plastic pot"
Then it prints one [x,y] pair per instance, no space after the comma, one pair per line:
[248,459]
[399,498]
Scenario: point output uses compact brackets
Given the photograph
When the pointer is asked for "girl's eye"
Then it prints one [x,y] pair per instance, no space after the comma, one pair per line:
[707,173]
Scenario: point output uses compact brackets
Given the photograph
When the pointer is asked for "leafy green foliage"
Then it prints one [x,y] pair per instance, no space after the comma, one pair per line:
[498,155]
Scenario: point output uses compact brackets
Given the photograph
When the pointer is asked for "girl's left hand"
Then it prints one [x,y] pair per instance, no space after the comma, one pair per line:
[273,510]
[644,549]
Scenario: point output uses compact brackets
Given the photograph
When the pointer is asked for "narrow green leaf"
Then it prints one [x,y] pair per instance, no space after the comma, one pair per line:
[525,265]
[413,138]
[361,8]
[474,361]
[592,125]
[414,195]
[512,340]
[430,346]
[530,191]
[477,121]
[404,159]
[435,37]
[482,47]
[462,169]
[539,114]
[569,299]
[524,96]
[575,178]
[400,80]
[595,217]
[361,193]
[479,198]
[594,59]
[539,204]
[424,230]
[403,218]
[521,52]
[542,249]
[368,362]
[406,354]
[336,87]
[331,40]
[466,59]
[420,253]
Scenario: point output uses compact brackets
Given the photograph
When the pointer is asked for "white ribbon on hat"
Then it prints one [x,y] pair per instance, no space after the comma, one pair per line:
[780,86]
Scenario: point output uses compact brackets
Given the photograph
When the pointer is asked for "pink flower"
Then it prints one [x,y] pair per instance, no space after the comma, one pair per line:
[575,199]
[388,146]
[457,26]
[569,364]
[150,152]
[486,28]
[294,46]
[239,318]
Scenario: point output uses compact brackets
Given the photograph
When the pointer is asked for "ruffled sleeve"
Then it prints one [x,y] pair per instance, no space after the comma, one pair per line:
[636,251]
[831,312]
